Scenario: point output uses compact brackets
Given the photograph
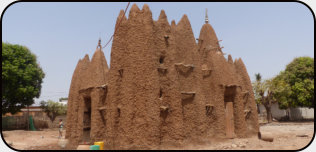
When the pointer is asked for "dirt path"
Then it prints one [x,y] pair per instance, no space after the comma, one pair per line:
[23,140]
[285,137]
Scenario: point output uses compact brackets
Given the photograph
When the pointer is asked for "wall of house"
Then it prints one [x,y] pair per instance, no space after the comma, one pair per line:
[299,113]
[40,120]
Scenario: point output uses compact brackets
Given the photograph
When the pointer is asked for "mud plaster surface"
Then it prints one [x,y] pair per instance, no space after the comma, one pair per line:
[163,89]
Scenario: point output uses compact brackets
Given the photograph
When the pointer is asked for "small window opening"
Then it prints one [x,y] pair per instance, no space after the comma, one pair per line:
[120,72]
[161,59]
[209,109]
[160,93]
[118,112]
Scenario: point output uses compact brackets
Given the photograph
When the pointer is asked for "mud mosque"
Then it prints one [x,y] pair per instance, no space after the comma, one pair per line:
[164,88]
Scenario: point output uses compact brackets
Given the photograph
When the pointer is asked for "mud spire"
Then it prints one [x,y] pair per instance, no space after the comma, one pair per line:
[184,21]
[145,8]
[230,59]
[162,16]
[173,23]
[206,17]
[121,16]
[133,11]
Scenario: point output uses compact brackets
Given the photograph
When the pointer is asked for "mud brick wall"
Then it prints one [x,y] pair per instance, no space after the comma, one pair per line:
[163,88]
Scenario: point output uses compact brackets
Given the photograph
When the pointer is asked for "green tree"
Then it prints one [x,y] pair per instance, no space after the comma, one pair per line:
[264,91]
[21,78]
[53,109]
[282,91]
[64,98]
[298,79]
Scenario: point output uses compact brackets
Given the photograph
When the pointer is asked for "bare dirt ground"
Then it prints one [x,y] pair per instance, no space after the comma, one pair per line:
[29,140]
[285,138]
[284,133]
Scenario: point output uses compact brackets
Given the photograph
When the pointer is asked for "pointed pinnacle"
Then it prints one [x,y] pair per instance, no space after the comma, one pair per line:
[99,43]
[206,17]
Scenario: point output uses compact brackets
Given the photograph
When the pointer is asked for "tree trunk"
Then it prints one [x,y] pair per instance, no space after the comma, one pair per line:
[258,108]
[288,114]
[52,117]
[267,102]
[269,114]
[27,118]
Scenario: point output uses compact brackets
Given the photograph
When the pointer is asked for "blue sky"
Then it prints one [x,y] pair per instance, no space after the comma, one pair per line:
[267,36]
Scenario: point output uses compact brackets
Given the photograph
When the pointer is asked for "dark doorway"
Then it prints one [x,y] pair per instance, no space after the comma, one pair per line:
[87,119]
[229,96]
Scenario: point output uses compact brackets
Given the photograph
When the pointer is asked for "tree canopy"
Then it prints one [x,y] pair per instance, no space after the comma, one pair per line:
[53,109]
[21,77]
[296,84]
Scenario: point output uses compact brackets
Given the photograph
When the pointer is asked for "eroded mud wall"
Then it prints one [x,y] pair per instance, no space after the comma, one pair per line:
[214,65]
[98,70]
[249,104]
[87,74]
[135,114]
[72,101]
[72,130]
[169,98]
[116,90]
[207,43]
[188,75]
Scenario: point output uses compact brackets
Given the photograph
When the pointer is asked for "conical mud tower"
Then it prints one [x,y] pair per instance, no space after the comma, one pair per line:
[163,89]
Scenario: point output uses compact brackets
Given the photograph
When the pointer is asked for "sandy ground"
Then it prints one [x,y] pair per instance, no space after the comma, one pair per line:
[285,137]
[28,140]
